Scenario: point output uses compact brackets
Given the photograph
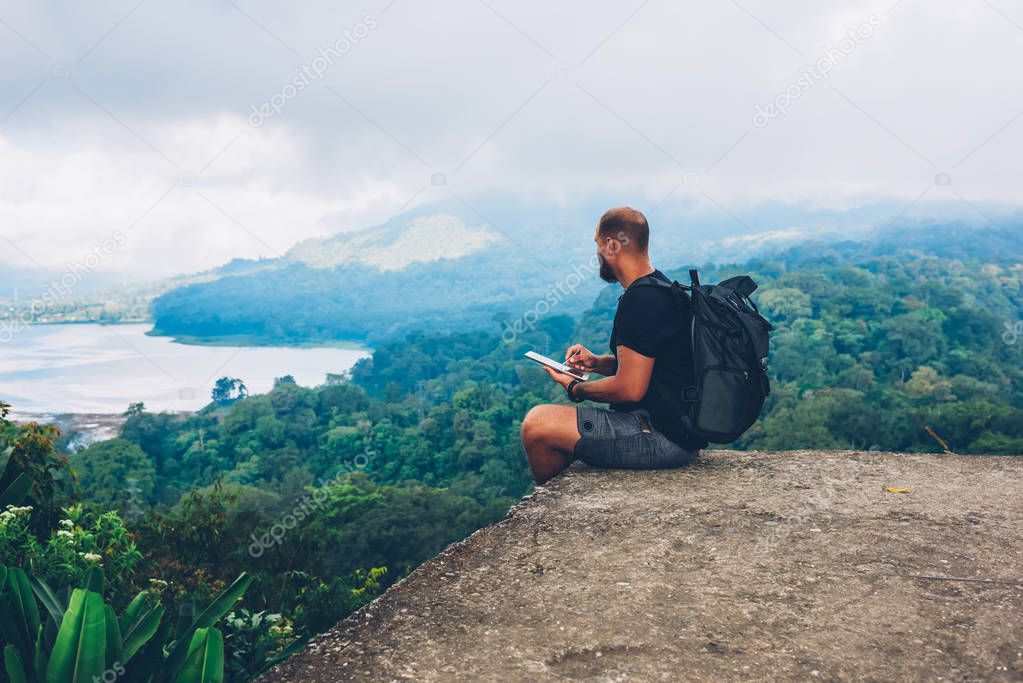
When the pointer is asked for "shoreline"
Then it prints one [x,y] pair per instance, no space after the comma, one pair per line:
[242,340]
[235,340]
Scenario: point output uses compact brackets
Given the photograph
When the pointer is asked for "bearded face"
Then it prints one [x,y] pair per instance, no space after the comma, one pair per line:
[606,274]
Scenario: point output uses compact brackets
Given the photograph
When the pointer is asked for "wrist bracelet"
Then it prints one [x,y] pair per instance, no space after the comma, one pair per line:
[570,389]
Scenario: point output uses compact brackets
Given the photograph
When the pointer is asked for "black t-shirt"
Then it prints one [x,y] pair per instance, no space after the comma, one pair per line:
[649,321]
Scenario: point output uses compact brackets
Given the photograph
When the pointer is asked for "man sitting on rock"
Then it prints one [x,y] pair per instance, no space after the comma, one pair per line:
[644,376]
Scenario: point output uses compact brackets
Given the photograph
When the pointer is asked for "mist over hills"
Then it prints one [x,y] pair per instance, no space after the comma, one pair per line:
[447,266]
[393,247]
[685,229]
[479,262]
[30,280]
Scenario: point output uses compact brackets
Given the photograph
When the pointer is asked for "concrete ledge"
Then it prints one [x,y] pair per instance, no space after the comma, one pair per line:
[791,565]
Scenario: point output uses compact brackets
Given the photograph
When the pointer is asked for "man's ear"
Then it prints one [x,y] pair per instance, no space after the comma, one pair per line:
[612,246]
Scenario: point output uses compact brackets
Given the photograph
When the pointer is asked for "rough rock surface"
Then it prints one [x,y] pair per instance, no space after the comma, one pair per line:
[795,565]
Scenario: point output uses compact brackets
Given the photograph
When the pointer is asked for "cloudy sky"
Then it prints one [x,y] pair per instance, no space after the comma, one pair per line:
[200,130]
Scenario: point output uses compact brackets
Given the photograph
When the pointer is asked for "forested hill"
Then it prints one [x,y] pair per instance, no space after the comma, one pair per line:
[513,280]
[296,303]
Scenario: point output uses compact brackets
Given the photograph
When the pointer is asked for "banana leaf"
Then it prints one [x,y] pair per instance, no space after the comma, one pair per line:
[18,580]
[14,666]
[149,661]
[9,620]
[224,602]
[41,661]
[55,607]
[19,615]
[132,611]
[94,582]
[114,647]
[80,651]
[205,660]
[209,616]
[138,623]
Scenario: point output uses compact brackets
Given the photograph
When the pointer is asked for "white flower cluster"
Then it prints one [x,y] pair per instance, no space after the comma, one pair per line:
[13,511]
[91,557]
[68,531]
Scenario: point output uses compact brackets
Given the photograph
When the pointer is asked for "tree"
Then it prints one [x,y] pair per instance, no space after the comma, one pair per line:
[29,450]
[227,390]
[925,382]
[785,304]
[105,468]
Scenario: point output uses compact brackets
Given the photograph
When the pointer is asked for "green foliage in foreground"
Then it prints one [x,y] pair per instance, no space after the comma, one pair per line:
[81,638]
[84,539]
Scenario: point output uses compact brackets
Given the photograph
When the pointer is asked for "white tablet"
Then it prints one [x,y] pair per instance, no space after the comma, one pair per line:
[555,365]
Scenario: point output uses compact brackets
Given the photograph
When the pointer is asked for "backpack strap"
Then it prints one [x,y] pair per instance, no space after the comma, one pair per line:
[645,281]
[649,280]
[680,298]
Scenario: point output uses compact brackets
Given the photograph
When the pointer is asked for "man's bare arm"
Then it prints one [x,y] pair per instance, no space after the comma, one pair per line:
[609,363]
[628,384]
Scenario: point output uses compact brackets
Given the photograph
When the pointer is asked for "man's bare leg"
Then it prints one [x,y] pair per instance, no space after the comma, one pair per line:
[549,435]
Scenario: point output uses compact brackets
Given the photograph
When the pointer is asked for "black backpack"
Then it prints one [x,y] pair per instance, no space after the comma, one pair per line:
[730,342]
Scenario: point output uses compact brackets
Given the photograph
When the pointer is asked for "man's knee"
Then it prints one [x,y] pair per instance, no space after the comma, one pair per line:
[534,424]
[542,422]
[551,425]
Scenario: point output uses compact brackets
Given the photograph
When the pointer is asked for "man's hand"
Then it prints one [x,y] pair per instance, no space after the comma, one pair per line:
[629,383]
[581,358]
[559,377]
[578,356]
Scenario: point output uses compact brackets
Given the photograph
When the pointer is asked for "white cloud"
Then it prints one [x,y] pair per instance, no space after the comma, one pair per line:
[463,90]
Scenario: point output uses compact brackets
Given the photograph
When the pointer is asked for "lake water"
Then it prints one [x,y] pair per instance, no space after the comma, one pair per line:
[49,369]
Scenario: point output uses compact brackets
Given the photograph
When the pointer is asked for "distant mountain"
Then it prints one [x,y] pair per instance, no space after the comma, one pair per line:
[298,304]
[442,266]
[393,247]
[500,260]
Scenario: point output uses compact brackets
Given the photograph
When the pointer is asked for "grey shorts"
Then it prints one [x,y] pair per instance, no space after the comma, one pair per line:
[627,440]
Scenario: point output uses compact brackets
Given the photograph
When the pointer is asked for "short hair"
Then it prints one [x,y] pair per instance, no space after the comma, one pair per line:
[627,225]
